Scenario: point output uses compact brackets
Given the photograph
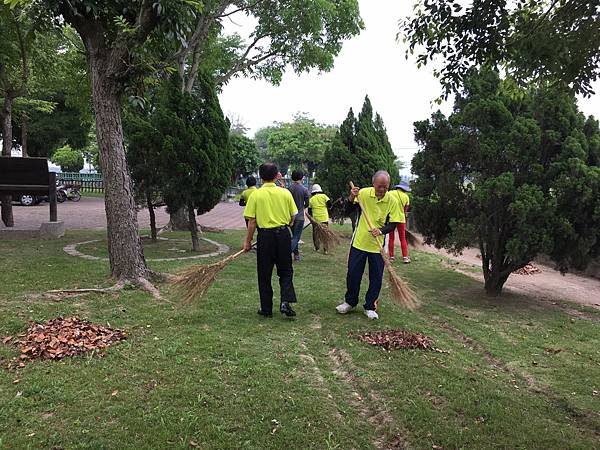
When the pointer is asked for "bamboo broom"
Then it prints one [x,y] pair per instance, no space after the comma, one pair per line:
[327,237]
[401,292]
[195,280]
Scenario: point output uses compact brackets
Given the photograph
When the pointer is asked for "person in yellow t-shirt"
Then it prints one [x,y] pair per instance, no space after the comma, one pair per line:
[318,208]
[271,210]
[384,212]
[246,193]
[401,196]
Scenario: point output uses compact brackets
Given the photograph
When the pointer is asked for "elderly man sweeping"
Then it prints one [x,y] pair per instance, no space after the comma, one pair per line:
[384,213]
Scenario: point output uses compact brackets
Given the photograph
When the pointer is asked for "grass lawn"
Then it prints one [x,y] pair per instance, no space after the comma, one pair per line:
[515,373]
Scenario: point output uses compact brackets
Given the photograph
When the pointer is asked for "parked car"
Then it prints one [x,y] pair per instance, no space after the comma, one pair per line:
[30,200]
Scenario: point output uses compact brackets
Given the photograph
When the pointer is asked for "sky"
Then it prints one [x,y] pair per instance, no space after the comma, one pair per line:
[372,64]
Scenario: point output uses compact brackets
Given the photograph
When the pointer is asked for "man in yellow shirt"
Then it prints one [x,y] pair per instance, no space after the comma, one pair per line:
[403,200]
[271,210]
[384,212]
[317,208]
[246,193]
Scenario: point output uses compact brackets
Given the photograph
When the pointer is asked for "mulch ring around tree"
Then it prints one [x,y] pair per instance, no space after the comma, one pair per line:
[62,337]
[398,340]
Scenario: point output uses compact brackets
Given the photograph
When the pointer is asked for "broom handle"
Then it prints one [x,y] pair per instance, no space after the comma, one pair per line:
[370,224]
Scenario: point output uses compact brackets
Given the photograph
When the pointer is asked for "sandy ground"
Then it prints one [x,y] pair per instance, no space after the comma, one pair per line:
[549,285]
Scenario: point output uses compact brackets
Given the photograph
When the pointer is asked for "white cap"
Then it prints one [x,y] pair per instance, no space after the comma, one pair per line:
[315,188]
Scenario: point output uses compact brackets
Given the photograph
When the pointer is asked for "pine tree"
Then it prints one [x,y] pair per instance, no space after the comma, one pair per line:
[359,149]
[196,160]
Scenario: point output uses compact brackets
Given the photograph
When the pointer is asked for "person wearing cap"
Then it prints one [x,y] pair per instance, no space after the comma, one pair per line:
[246,193]
[318,209]
[271,210]
[401,196]
[301,197]
[384,213]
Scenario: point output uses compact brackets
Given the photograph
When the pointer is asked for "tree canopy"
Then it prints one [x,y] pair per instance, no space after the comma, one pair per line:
[530,39]
[245,155]
[298,144]
[513,172]
[359,148]
[69,159]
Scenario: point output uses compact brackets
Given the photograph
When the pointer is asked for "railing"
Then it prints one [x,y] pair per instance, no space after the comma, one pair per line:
[87,182]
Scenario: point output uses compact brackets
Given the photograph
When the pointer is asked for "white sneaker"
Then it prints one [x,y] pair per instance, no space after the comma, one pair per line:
[344,308]
[406,260]
[372,315]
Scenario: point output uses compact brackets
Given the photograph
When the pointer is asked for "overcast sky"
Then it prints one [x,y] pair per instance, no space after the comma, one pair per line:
[372,63]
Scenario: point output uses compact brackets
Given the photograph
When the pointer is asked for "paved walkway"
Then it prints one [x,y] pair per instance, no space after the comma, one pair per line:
[89,214]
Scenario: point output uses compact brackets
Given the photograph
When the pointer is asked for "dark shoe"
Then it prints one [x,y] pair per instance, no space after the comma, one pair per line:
[286,309]
[297,258]
[264,313]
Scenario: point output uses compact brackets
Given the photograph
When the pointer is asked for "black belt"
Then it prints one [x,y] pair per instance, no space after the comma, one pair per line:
[276,229]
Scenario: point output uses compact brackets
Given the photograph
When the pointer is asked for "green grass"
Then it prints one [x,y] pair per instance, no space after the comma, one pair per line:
[169,245]
[216,375]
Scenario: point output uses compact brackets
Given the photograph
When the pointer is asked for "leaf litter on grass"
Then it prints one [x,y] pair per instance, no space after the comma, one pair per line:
[397,339]
[62,337]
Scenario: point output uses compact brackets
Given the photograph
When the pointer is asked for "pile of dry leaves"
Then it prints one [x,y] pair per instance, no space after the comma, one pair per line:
[397,339]
[529,269]
[61,337]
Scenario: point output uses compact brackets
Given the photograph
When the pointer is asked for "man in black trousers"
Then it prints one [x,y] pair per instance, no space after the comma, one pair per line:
[271,210]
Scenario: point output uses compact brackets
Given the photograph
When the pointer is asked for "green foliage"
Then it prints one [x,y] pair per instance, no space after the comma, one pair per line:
[359,149]
[298,144]
[509,174]
[245,155]
[69,159]
[301,35]
[180,147]
[531,39]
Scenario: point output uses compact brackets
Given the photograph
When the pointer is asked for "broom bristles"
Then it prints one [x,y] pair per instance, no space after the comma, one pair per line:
[326,237]
[195,280]
[412,240]
[402,294]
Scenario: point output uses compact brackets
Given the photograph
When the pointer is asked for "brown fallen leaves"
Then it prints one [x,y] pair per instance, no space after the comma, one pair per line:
[397,339]
[62,337]
[529,269]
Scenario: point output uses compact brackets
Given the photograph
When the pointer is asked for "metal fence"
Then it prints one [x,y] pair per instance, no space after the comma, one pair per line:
[87,182]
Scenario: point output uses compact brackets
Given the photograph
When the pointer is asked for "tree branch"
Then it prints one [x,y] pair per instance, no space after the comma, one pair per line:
[244,8]
[243,63]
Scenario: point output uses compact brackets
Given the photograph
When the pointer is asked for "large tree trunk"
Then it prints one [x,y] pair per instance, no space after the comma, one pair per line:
[6,209]
[494,283]
[193,227]
[153,232]
[124,245]
[179,220]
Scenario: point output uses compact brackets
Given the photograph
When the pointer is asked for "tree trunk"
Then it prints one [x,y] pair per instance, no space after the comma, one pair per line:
[153,232]
[6,209]
[193,227]
[179,220]
[124,245]
[24,130]
[494,282]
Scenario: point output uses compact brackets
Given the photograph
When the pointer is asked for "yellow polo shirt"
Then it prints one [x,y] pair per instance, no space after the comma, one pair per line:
[403,201]
[377,210]
[246,193]
[271,206]
[318,205]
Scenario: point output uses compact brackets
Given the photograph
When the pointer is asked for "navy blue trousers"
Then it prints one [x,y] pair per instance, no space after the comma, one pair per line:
[356,266]
[297,233]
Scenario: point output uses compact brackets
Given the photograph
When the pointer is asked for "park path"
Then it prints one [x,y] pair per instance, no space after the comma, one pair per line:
[89,214]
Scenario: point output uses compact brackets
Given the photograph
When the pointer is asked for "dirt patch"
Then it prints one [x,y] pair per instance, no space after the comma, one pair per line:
[548,286]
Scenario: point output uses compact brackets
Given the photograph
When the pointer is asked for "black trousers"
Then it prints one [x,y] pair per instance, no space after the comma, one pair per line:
[273,249]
